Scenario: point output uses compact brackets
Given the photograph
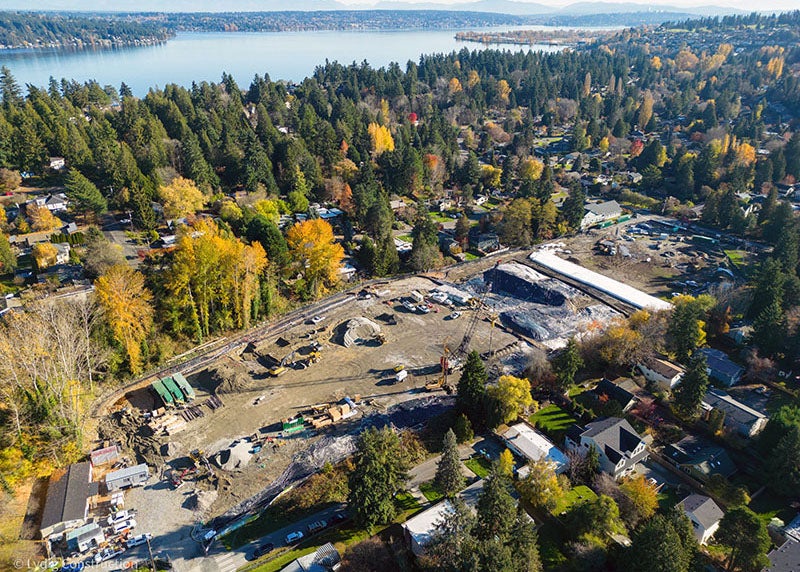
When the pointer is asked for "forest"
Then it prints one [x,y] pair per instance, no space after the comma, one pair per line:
[32,30]
[714,126]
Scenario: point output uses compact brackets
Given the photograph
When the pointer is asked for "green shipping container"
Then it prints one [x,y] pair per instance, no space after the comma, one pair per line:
[173,389]
[162,392]
[293,425]
[184,386]
[624,218]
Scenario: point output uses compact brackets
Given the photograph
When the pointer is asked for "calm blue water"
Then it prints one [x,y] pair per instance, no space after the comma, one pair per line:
[205,56]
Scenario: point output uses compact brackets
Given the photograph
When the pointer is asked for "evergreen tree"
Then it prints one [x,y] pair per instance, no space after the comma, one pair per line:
[769,330]
[567,364]
[8,262]
[495,509]
[657,547]
[84,195]
[783,464]
[380,471]
[463,429]
[573,207]
[471,398]
[693,386]
[449,478]
[745,535]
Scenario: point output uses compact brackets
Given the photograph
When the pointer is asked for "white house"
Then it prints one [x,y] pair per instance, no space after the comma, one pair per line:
[618,444]
[704,514]
[528,443]
[595,213]
[481,199]
[661,372]
[57,163]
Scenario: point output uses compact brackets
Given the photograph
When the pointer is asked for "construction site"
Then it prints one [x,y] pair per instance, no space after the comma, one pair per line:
[226,439]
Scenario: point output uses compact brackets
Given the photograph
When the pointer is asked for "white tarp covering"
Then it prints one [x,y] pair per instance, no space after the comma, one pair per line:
[618,290]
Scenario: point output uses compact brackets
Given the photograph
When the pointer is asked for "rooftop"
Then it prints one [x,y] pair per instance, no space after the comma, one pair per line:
[67,495]
[704,509]
[422,526]
[786,558]
[706,456]
[735,410]
[534,445]
[663,367]
[608,208]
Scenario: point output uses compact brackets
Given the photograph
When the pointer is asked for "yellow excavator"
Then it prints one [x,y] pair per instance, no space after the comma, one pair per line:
[441,382]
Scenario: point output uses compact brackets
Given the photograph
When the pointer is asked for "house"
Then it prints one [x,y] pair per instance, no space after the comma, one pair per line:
[127,477]
[700,458]
[621,390]
[85,538]
[785,558]
[444,205]
[62,252]
[661,372]
[619,445]
[704,514]
[54,203]
[738,417]
[525,441]
[70,228]
[484,241]
[57,163]
[481,199]
[419,530]
[324,559]
[397,205]
[596,213]
[721,368]
[69,495]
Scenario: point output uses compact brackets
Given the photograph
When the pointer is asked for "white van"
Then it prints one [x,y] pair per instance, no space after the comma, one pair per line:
[137,540]
[117,517]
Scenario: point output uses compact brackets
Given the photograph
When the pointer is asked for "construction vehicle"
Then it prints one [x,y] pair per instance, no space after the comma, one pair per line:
[380,338]
[441,381]
[277,370]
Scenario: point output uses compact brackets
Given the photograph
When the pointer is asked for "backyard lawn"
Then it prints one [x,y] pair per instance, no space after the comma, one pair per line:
[553,420]
[574,496]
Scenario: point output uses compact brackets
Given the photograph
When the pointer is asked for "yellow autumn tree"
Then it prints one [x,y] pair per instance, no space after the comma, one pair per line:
[127,308]
[473,79]
[655,63]
[316,254]
[181,198]
[645,110]
[643,495]
[503,91]
[511,396]
[454,86]
[44,254]
[531,169]
[381,138]
[505,463]
[42,219]
[775,66]
[491,175]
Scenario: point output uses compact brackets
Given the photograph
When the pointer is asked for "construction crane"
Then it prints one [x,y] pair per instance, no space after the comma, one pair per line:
[441,382]
[463,348]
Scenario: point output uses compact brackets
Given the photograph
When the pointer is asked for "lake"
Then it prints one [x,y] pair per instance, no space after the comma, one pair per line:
[205,56]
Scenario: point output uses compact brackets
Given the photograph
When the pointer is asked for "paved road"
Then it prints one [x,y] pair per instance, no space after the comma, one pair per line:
[221,560]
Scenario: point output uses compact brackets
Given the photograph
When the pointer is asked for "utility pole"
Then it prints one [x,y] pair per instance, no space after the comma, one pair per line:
[150,551]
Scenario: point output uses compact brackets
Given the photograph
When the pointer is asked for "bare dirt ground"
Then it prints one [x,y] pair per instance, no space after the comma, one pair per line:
[366,370]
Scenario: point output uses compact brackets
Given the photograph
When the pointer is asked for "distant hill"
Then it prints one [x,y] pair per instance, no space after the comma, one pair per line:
[519,8]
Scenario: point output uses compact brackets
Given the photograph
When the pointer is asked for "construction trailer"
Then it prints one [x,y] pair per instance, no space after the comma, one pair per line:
[184,386]
[85,538]
[158,387]
[172,387]
[127,477]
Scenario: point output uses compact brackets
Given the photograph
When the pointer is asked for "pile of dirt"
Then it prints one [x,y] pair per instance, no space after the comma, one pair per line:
[359,330]
[134,435]
[201,501]
[229,377]
[234,457]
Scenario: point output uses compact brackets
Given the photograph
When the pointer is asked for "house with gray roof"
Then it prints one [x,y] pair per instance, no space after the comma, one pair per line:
[785,558]
[704,514]
[720,367]
[700,458]
[738,417]
[621,390]
[325,559]
[619,445]
[596,213]
[69,495]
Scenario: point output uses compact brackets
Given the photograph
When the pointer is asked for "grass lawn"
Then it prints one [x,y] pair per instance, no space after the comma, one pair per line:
[431,491]
[469,256]
[550,542]
[668,497]
[553,420]
[342,536]
[441,217]
[737,257]
[576,495]
[406,238]
[478,465]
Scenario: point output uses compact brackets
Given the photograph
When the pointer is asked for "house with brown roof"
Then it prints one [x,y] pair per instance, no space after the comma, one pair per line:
[661,372]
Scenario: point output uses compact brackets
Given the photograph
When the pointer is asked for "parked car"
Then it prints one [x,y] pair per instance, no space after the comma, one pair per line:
[317,319]
[124,525]
[137,540]
[422,308]
[293,537]
[265,548]
[106,554]
[454,316]
[317,526]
